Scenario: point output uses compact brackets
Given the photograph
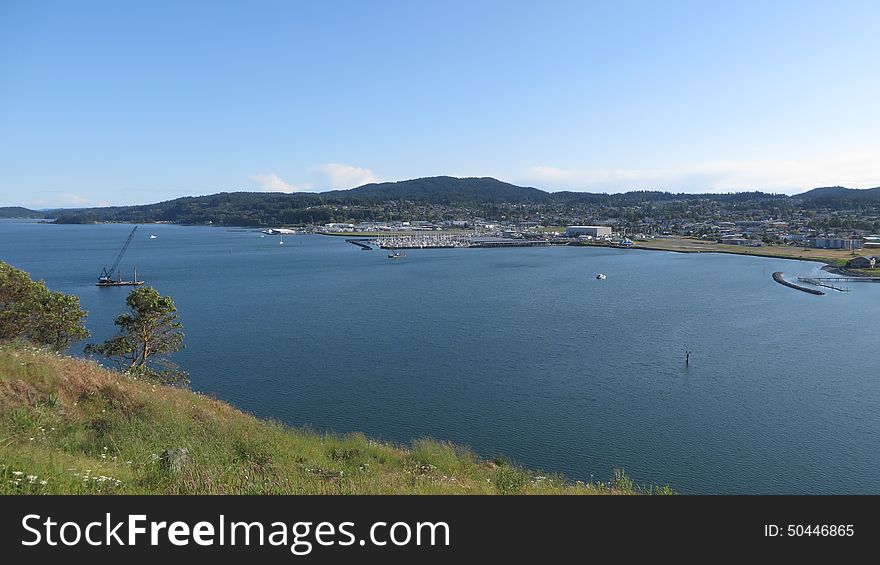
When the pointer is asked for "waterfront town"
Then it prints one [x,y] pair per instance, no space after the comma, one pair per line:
[832,224]
[747,233]
[862,245]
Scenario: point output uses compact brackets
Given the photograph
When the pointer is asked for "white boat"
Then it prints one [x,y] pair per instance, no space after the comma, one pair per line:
[601,277]
[279,231]
[153,236]
[396,255]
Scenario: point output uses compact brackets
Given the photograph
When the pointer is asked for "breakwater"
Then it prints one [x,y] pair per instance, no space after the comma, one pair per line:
[777,276]
[362,243]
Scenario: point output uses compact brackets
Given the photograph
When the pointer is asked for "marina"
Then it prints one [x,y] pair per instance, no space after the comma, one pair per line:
[452,241]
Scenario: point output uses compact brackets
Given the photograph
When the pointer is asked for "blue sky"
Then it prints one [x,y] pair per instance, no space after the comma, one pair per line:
[135,102]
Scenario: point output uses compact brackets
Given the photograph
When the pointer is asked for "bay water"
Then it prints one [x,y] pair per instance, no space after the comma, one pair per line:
[520,353]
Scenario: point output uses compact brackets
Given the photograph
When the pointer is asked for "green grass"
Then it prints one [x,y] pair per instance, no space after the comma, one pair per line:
[69,426]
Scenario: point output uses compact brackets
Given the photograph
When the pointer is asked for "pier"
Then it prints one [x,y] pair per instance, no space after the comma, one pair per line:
[824,281]
[840,279]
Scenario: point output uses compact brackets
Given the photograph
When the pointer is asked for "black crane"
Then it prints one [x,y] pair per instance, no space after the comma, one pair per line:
[106,278]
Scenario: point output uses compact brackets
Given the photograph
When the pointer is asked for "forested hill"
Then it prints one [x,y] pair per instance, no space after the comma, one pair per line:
[19,212]
[443,190]
[837,195]
[446,198]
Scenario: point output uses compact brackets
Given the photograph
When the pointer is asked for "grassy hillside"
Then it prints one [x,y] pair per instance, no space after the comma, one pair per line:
[69,426]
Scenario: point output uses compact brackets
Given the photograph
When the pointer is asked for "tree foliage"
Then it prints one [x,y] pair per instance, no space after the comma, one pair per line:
[149,332]
[29,310]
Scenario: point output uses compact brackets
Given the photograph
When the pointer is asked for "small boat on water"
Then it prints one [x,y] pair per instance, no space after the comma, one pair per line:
[601,277]
[153,236]
[396,255]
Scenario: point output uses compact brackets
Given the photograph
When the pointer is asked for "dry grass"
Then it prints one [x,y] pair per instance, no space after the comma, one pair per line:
[69,426]
[834,257]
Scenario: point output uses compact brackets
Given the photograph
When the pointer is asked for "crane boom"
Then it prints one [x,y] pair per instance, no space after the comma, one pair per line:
[108,273]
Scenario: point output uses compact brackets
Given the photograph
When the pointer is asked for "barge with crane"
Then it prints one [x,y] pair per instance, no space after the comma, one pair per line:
[106,278]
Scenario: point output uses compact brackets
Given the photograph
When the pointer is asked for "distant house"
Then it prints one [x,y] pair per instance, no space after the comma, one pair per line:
[868,262]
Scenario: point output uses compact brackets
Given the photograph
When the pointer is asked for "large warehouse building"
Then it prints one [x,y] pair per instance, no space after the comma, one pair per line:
[594,231]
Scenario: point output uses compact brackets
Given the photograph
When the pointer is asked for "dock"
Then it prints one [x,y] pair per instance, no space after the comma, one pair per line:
[824,282]
[841,279]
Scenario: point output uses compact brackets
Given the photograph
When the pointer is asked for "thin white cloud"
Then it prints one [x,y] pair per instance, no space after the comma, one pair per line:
[339,175]
[858,168]
[53,199]
[270,182]
[326,176]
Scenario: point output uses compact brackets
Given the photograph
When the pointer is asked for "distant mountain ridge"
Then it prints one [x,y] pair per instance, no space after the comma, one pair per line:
[841,193]
[436,197]
[19,212]
[478,189]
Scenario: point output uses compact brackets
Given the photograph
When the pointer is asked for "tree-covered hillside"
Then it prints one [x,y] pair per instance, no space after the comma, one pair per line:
[19,212]
[448,198]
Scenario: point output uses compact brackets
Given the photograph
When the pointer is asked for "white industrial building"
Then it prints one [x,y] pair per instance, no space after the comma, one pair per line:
[594,231]
[835,243]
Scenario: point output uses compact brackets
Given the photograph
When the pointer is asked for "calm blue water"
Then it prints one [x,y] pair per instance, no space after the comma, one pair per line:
[519,352]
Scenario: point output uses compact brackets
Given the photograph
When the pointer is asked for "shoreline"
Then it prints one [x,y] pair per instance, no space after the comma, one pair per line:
[726,252]
[828,266]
